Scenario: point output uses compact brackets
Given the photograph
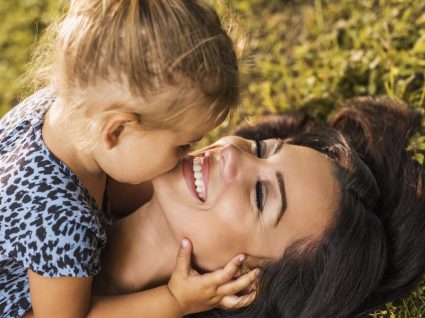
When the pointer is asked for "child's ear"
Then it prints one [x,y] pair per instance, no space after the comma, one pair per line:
[114,127]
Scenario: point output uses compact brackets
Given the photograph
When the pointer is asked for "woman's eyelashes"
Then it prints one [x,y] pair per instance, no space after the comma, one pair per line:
[259,194]
[260,146]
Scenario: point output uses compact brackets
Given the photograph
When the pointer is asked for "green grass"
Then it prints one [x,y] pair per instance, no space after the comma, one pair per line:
[409,307]
[300,53]
[20,24]
[320,53]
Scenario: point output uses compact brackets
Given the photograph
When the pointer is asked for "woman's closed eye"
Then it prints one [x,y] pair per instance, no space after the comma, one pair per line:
[260,147]
[259,193]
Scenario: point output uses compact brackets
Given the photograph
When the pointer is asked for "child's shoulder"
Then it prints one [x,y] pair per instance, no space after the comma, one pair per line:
[31,107]
[24,116]
[36,187]
[47,213]
[23,156]
[50,222]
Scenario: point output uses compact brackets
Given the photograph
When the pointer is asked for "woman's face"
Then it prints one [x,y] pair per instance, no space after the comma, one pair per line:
[252,200]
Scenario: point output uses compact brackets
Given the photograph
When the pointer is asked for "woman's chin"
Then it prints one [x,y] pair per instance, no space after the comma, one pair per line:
[203,267]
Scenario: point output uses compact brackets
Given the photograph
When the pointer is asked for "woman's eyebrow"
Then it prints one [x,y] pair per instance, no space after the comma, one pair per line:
[281,185]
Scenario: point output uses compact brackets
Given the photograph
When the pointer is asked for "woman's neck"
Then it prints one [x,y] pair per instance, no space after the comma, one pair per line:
[140,253]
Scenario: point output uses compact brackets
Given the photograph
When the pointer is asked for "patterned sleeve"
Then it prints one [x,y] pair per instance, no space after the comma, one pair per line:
[64,249]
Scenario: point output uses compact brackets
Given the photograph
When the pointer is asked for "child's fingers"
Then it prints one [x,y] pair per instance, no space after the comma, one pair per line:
[235,302]
[183,257]
[222,276]
[193,272]
[236,286]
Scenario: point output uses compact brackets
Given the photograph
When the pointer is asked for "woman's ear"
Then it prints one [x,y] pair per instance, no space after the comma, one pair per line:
[114,127]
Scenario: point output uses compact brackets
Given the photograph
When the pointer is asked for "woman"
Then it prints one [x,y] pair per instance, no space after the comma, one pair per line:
[333,216]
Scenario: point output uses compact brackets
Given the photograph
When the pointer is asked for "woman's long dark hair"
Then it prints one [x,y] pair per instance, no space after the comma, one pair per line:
[373,252]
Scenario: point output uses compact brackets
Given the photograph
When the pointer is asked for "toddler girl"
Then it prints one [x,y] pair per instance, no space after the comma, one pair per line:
[132,84]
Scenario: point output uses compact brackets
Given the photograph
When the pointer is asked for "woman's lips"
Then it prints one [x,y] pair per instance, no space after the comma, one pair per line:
[206,165]
[189,177]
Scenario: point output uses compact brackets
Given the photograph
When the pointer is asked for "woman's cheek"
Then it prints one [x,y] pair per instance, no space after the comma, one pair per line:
[234,212]
[216,244]
[213,255]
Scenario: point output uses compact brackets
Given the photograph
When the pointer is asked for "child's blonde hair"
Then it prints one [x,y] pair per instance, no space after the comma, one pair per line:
[172,55]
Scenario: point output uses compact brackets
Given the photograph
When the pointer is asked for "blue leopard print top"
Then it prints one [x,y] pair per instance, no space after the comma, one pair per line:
[49,223]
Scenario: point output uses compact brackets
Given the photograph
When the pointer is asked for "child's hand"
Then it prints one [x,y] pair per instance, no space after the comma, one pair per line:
[197,293]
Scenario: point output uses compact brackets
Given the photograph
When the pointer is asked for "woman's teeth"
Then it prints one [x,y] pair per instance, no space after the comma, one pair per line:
[199,183]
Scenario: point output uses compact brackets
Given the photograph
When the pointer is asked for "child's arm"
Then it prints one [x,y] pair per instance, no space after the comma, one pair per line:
[65,297]
[69,297]
[187,292]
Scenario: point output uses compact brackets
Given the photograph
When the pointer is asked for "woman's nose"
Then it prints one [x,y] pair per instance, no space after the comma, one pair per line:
[229,159]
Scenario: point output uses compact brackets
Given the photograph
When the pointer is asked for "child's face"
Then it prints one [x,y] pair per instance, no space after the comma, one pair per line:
[141,156]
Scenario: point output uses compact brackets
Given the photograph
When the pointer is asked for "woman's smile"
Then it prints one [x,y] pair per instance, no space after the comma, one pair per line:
[196,172]
[198,167]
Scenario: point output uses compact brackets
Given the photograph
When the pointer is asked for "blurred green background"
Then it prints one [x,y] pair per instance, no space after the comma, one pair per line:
[314,53]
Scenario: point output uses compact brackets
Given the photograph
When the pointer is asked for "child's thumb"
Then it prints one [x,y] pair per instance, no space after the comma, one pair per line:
[184,257]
